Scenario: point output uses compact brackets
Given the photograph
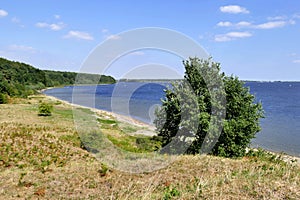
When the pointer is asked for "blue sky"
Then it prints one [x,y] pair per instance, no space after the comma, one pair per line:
[255,40]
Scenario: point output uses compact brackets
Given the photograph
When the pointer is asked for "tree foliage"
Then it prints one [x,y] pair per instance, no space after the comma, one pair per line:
[194,110]
[45,109]
[21,80]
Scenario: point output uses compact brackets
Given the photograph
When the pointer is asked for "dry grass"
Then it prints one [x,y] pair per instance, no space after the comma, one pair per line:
[40,158]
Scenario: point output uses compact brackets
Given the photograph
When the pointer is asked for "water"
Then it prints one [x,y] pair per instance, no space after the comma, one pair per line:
[281,102]
[281,125]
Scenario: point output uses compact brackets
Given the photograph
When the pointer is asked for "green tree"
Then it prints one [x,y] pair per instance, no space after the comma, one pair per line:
[194,110]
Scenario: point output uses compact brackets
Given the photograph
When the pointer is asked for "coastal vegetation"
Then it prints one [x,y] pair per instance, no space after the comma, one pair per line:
[21,80]
[187,110]
[45,109]
[43,158]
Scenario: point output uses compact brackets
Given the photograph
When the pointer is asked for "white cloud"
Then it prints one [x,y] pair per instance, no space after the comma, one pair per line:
[57,16]
[54,27]
[233,9]
[79,35]
[296,16]
[57,27]
[231,36]
[271,25]
[296,61]
[113,37]
[15,47]
[292,22]
[3,13]
[237,25]
[243,24]
[224,24]
[276,18]
[267,25]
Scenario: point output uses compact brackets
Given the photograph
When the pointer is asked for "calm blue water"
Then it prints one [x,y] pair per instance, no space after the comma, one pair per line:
[281,102]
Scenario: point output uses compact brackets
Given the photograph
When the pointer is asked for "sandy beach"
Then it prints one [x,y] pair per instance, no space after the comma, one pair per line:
[148,129]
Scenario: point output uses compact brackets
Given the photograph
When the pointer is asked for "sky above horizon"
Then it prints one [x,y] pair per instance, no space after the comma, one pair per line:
[254,40]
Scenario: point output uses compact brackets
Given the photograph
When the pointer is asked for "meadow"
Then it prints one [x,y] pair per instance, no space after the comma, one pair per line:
[42,157]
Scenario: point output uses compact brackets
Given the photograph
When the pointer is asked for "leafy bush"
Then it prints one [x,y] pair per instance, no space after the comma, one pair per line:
[241,121]
[45,109]
[3,98]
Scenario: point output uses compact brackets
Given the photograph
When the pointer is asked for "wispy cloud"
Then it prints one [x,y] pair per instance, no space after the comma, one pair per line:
[231,36]
[237,25]
[271,25]
[224,24]
[296,16]
[281,17]
[3,13]
[15,20]
[266,25]
[54,26]
[113,37]
[56,16]
[296,61]
[234,9]
[79,35]
[108,36]
[104,30]
[15,47]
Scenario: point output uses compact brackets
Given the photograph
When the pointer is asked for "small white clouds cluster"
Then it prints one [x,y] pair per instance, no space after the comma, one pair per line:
[274,22]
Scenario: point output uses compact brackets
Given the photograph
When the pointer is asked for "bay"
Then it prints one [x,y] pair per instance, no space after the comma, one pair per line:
[281,103]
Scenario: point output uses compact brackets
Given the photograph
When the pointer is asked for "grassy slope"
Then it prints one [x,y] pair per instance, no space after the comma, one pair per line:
[40,157]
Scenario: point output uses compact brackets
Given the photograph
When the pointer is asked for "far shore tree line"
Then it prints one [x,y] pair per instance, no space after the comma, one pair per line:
[21,80]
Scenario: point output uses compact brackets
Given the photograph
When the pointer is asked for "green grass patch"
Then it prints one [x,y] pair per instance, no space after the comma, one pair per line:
[73,139]
[137,144]
[106,121]
[31,146]
[65,113]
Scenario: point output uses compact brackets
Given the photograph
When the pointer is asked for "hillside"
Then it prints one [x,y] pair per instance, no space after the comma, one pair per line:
[20,79]
[42,158]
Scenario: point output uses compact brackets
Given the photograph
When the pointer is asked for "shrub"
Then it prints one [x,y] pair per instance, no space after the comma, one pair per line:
[241,121]
[45,109]
[3,98]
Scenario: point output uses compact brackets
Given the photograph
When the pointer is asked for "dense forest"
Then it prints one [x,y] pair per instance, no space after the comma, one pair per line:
[20,79]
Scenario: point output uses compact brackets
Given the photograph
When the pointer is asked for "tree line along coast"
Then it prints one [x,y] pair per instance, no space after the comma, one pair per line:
[21,80]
